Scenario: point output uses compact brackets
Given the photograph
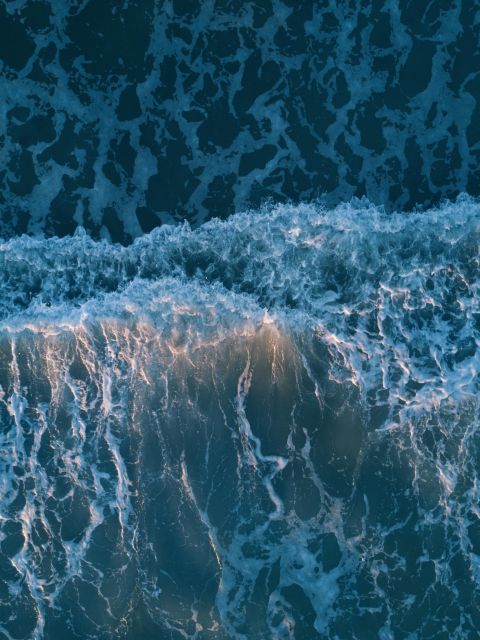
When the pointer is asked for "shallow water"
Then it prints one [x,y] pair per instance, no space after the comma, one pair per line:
[262,428]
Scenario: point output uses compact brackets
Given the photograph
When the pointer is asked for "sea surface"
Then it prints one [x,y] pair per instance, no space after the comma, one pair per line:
[120,115]
[239,320]
[267,427]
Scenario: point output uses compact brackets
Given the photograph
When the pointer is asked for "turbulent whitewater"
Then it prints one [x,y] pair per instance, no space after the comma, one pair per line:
[262,428]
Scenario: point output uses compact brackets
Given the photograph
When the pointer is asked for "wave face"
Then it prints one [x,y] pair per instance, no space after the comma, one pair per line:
[263,428]
[121,117]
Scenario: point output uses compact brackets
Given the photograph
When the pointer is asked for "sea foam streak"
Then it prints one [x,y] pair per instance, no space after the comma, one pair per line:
[264,428]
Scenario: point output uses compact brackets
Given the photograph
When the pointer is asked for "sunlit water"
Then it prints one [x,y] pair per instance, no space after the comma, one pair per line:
[263,428]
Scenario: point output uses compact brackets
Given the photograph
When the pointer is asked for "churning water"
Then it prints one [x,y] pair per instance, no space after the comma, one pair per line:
[265,428]
[262,428]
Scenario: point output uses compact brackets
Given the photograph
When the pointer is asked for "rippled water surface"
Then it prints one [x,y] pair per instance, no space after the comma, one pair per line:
[264,428]
[239,320]
[123,115]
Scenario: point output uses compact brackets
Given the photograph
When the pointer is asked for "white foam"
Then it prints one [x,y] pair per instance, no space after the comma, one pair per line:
[395,315]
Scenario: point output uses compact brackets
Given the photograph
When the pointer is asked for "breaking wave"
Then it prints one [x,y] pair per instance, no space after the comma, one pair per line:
[262,428]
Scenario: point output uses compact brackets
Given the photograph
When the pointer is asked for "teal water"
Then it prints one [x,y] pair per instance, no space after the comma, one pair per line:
[262,428]
[120,117]
[239,320]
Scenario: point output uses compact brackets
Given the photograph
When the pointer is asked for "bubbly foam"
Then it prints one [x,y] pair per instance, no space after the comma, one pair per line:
[266,427]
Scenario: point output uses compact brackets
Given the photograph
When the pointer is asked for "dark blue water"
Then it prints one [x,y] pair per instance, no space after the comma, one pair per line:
[264,427]
[121,116]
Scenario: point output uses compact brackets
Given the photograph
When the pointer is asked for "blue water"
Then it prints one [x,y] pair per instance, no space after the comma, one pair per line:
[262,428]
[123,116]
[239,320]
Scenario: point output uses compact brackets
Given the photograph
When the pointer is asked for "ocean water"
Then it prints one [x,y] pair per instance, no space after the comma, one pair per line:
[122,115]
[267,427]
[239,320]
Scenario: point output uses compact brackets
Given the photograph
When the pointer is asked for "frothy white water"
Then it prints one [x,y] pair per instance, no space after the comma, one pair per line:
[243,431]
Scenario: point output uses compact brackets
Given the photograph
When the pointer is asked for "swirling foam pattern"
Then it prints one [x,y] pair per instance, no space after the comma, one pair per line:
[119,116]
[263,428]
